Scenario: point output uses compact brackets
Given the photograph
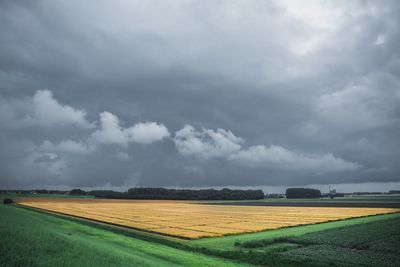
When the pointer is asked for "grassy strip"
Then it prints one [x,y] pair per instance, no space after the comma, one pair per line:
[262,242]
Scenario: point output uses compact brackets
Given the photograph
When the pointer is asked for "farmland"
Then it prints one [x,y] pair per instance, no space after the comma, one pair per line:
[374,243]
[35,237]
[195,220]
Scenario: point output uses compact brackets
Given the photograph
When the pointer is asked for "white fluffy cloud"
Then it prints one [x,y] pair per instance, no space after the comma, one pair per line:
[111,132]
[206,143]
[41,109]
[147,132]
[281,158]
[47,111]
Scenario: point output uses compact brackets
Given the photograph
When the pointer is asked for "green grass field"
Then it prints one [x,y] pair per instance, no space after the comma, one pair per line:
[374,243]
[35,238]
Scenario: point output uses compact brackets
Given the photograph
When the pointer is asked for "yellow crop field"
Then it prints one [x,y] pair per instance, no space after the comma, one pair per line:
[195,220]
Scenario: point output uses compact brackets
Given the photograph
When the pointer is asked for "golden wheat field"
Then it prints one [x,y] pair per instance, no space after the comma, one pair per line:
[195,220]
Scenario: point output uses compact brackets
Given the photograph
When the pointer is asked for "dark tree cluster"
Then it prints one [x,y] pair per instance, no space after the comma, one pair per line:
[8,201]
[77,192]
[34,191]
[107,194]
[182,194]
[302,193]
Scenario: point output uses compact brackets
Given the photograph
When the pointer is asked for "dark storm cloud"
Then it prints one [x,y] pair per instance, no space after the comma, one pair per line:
[198,93]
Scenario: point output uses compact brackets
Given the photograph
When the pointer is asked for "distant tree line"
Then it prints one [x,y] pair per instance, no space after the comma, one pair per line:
[181,194]
[275,195]
[34,191]
[45,191]
[77,192]
[107,194]
[302,193]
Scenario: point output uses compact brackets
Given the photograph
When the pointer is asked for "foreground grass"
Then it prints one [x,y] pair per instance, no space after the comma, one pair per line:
[30,238]
[374,243]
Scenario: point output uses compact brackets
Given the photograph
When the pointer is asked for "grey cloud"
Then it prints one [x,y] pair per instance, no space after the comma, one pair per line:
[281,158]
[48,112]
[148,132]
[367,103]
[206,143]
[66,146]
[111,132]
[319,79]
[42,110]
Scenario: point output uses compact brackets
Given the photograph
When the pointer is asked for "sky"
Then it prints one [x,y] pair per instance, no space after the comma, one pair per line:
[116,94]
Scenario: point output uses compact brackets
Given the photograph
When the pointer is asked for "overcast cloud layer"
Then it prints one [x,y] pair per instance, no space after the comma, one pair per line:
[198,93]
